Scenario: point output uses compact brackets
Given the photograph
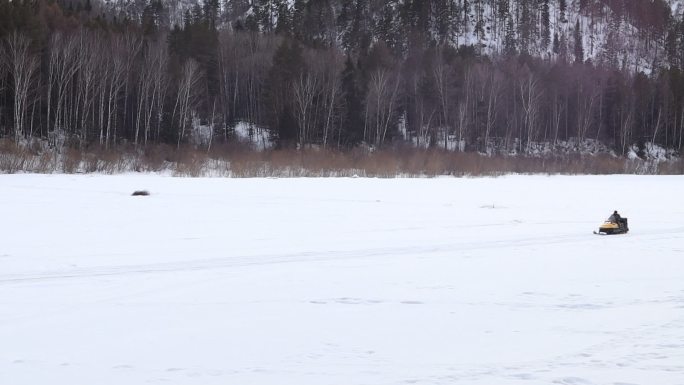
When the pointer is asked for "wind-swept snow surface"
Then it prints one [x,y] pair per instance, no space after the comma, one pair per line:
[340,281]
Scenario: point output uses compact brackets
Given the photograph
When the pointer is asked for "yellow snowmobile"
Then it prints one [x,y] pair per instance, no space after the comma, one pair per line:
[613,225]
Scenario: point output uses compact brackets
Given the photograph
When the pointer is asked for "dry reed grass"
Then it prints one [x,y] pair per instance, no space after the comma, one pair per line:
[233,160]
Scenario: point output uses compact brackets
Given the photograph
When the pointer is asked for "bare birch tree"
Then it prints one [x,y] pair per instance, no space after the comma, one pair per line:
[443,80]
[132,45]
[185,98]
[381,103]
[151,87]
[228,76]
[626,123]
[3,79]
[116,81]
[681,128]
[87,80]
[22,65]
[587,96]
[104,77]
[530,97]
[463,108]
[495,82]
[332,88]
[304,91]
[159,86]
[63,65]
[143,88]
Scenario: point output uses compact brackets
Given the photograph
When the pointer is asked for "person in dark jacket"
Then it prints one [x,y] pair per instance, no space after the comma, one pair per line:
[615,218]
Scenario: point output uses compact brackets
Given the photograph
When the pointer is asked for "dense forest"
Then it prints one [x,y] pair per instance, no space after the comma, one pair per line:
[465,75]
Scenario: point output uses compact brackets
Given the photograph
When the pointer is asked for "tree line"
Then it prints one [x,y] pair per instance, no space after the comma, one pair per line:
[334,74]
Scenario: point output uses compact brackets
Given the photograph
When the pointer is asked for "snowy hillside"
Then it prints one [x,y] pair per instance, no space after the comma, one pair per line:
[677,7]
[609,34]
[329,281]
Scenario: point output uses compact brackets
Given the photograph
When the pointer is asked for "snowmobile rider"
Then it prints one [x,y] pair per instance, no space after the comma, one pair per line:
[615,218]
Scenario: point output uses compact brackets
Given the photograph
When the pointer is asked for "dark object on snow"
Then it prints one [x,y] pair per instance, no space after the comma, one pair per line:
[614,225]
[141,193]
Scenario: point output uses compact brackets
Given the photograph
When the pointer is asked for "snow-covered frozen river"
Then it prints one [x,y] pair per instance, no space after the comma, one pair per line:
[488,281]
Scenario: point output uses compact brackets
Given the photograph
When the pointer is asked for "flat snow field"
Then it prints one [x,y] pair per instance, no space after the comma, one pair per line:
[488,281]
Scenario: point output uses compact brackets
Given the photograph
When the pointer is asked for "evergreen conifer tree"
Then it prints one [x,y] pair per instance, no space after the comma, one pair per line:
[526,26]
[352,126]
[509,40]
[284,25]
[503,9]
[579,47]
[545,24]
[563,7]
[298,17]
[265,12]
[556,44]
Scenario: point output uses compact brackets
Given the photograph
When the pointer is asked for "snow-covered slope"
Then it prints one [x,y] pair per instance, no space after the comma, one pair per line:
[608,35]
[342,281]
[677,7]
